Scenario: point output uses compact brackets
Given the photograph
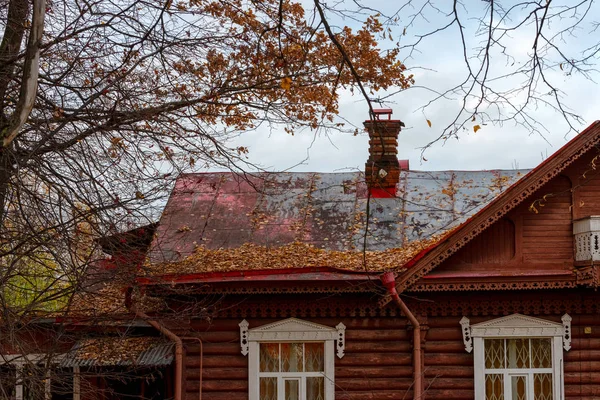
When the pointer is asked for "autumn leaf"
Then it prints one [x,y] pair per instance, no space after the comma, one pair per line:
[139,195]
[561,67]
[476,128]
[473,119]
[286,83]
[429,123]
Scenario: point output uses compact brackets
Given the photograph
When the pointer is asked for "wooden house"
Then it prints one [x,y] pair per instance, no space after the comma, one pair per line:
[387,284]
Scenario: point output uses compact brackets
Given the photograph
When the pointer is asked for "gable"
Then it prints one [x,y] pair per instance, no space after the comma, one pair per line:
[532,243]
[542,207]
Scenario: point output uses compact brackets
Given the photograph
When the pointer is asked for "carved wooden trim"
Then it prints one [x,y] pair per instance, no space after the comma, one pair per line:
[504,203]
[341,339]
[566,321]
[293,329]
[475,286]
[517,325]
[244,336]
[588,276]
[497,307]
[333,288]
[466,334]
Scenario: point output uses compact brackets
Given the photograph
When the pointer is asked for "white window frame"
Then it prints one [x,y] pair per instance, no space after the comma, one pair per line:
[21,361]
[523,327]
[287,331]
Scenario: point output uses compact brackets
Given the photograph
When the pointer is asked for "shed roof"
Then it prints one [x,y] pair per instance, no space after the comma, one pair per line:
[315,216]
[119,351]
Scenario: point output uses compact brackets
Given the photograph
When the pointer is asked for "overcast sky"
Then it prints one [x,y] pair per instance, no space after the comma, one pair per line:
[439,65]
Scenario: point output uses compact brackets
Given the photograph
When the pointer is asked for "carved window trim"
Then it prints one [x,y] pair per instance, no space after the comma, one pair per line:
[517,326]
[292,330]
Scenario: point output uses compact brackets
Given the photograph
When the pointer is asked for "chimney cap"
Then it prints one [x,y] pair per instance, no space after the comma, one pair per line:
[379,112]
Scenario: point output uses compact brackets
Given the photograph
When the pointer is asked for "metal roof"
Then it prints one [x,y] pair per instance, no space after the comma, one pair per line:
[326,210]
[119,352]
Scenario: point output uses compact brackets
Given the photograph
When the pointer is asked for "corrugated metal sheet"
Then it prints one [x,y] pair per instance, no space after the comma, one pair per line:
[224,210]
[159,354]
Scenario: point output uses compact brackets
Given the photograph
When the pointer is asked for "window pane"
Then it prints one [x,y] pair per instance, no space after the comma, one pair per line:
[7,381]
[494,353]
[291,357]
[494,387]
[315,388]
[542,386]
[519,387]
[518,353]
[292,389]
[315,357]
[61,384]
[269,357]
[268,388]
[541,353]
[34,384]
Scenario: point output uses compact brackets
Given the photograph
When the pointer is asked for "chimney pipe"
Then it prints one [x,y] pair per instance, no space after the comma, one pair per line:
[382,170]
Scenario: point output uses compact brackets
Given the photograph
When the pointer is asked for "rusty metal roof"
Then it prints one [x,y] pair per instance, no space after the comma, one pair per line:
[325,210]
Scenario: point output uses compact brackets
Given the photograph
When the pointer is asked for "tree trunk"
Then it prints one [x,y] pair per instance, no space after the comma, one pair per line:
[10,48]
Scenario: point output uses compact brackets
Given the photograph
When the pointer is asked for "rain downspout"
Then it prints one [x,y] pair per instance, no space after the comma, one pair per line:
[178,342]
[389,282]
[201,360]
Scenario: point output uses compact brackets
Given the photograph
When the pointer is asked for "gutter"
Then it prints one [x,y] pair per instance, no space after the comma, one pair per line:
[389,282]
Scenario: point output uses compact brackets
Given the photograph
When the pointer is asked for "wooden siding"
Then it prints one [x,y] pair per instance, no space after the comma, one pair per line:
[585,175]
[524,240]
[547,236]
[494,246]
[377,364]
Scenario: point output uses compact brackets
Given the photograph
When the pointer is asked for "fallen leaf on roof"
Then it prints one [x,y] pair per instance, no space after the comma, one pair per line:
[294,255]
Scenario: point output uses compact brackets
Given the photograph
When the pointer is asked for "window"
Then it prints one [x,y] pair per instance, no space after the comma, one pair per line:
[25,377]
[518,357]
[291,359]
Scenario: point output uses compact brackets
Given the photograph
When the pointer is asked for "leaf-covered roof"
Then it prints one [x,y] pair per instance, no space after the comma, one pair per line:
[224,221]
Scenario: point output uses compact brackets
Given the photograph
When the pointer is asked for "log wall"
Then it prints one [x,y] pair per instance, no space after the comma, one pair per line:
[376,365]
[378,360]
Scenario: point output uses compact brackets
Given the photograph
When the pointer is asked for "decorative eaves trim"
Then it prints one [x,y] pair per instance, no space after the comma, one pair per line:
[504,203]
[292,329]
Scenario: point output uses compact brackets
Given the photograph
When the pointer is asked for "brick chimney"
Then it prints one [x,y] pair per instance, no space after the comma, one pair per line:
[382,170]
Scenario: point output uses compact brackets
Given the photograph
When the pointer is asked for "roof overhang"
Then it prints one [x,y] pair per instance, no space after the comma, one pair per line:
[309,274]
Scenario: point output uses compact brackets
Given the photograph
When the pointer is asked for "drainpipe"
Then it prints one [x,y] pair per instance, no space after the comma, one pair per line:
[178,342]
[201,360]
[389,282]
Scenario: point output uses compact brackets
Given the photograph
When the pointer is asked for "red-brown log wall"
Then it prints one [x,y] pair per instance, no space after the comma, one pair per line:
[376,365]
[378,359]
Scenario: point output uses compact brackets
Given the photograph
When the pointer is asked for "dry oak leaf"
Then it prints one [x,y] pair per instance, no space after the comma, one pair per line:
[286,83]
